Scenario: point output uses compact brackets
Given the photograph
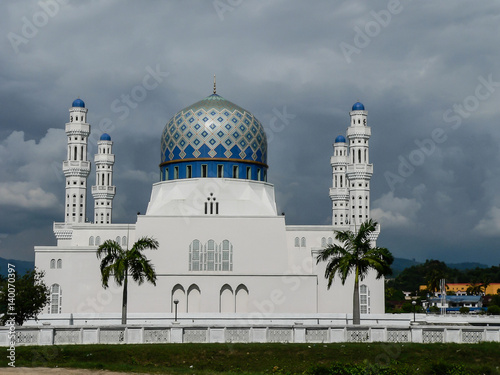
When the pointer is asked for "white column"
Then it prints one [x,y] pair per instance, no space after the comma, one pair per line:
[359,170]
[76,168]
[104,191]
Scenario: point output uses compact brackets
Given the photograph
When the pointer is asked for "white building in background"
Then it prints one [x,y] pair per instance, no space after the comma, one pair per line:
[224,249]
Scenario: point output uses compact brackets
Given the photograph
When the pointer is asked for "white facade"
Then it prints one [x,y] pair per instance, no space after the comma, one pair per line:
[223,247]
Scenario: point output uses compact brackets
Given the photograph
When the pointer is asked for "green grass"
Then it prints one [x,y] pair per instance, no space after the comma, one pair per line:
[320,359]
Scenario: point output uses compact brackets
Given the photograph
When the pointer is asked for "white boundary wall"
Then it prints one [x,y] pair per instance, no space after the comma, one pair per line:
[178,333]
[315,328]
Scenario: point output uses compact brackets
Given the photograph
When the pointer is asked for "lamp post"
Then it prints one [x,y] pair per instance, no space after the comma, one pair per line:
[414,303]
[176,302]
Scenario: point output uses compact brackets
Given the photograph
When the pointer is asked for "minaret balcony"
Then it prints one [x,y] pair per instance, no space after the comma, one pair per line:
[104,158]
[103,189]
[75,128]
[360,131]
[79,167]
[339,193]
[359,170]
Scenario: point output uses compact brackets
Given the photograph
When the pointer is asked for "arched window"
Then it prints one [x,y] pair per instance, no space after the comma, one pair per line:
[297,242]
[211,256]
[124,241]
[364,299]
[91,241]
[303,242]
[55,299]
[323,242]
[59,263]
[194,256]
[330,241]
[227,256]
[52,263]
[359,156]
[98,241]
[209,261]
[117,240]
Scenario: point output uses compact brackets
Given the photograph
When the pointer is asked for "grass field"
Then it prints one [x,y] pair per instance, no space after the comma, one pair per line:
[324,359]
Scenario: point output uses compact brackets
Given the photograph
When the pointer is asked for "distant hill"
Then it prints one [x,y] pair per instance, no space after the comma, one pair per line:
[21,266]
[400,264]
[466,265]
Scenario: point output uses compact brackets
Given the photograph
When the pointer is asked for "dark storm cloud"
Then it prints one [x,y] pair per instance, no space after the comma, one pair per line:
[412,64]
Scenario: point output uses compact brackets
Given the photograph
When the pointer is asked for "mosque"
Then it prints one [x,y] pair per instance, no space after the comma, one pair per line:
[223,247]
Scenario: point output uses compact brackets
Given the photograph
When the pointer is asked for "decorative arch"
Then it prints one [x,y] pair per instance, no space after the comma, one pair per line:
[193,299]
[241,299]
[226,299]
[178,293]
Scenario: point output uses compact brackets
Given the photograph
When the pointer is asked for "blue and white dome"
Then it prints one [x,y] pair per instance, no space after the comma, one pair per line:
[358,106]
[78,103]
[105,137]
[214,132]
[340,139]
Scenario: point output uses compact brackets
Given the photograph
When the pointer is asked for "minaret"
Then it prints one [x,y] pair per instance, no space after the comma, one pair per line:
[76,168]
[103,191]
[339,192]
[359,171]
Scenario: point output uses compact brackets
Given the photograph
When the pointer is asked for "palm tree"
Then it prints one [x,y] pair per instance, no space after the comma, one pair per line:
[120,263]
[433,279]
[355,255]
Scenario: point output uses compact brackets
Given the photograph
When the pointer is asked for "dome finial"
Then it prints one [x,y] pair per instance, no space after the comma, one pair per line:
[215,89]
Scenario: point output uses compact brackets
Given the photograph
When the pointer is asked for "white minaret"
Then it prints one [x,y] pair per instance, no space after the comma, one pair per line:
[76,168]
[339,192]
[103,191]
[359,171]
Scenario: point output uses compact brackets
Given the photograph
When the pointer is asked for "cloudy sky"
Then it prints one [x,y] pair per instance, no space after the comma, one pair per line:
[427,73]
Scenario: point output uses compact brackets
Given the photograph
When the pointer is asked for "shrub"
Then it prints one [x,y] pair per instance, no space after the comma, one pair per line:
[464,310]
[494,310]
[434,309]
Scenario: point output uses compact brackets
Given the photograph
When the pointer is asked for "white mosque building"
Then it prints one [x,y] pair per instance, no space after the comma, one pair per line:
[224,249]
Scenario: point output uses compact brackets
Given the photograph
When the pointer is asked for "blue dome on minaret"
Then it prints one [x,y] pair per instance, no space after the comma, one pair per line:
[105,137]
[340,139]
[78,103]
[358,106]
[215,131]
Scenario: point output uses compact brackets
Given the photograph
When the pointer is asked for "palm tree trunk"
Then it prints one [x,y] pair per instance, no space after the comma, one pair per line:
[124,304]
[356,316]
